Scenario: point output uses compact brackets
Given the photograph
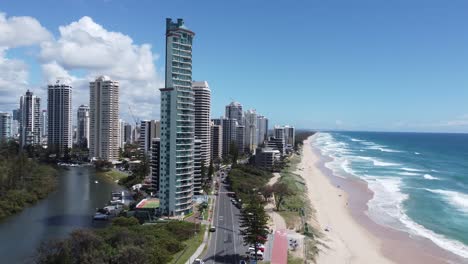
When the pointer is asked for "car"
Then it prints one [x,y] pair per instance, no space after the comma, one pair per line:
[259,255]
[198,261]
[212,229]
[242,262]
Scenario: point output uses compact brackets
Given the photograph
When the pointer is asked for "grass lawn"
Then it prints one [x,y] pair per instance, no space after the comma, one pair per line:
[114,175]
[292,219]
[294,260]
[191,246]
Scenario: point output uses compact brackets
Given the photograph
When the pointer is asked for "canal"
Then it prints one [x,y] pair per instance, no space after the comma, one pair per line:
[79,192]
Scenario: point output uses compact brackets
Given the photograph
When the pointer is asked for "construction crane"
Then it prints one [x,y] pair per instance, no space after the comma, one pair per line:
[137,121]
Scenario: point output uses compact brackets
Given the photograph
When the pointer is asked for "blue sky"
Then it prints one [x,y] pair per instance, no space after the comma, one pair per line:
[358,65]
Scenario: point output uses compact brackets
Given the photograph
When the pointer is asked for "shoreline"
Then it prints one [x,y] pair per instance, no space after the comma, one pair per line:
[353,237]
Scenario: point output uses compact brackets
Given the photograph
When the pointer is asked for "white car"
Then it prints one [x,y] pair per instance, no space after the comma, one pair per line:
[198,261]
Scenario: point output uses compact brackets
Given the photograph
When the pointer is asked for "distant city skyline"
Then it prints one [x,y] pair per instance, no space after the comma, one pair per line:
[383,66]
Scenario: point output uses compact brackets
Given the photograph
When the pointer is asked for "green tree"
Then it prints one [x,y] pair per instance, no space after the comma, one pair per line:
[211,170]
[233,153]
[253,223]
[281,191]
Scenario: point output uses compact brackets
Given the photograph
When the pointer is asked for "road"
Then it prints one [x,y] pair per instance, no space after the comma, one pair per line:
[225,245]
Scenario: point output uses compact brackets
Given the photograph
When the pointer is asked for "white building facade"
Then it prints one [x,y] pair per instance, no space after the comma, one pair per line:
[104,119]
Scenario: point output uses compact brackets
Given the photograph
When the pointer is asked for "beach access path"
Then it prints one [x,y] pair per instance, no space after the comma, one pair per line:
[346,240]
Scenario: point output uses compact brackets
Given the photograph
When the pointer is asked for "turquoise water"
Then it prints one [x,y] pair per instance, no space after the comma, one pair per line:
[419,180]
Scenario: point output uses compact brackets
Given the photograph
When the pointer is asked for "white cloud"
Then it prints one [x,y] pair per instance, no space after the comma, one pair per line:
[21,31]
[14,73]
[86,45]
[13,81]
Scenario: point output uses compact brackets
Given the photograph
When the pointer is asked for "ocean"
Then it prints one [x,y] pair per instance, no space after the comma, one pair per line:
[419,180]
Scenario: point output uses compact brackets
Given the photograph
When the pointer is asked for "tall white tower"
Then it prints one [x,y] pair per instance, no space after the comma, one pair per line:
[29,119]
[202,119]
[104,116]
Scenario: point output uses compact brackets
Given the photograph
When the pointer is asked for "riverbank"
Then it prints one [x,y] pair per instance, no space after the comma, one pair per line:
[352,237]
[24,182]
[112,174]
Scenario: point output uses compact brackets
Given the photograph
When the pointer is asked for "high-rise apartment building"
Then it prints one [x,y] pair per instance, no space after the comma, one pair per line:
[262,124]
[155,163]
[177,122]
[289,136]
[44,126]
[216,142]
[104,117]
[29,119]
[5,126]
[251,130]
[59,110]
[240,139]
[278,132]
[288,133]
[229,129]
[202,119]
[82,126]
[121,134]
[197,166]
[234,111]
[128,133]
[149,129]
[17,114]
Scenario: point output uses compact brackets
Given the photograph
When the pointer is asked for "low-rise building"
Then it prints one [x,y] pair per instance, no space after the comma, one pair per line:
[266,158]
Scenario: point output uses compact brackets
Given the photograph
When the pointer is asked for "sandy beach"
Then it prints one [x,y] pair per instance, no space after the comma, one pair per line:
[352,237]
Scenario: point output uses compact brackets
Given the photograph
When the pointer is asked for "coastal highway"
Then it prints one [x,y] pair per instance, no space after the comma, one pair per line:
[225,245]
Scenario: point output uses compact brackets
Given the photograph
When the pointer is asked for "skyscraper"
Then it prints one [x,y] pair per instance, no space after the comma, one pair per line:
[288,133]
[121,134]
[216,142]
[202,119]
[128,133]
[197,167]
[59,109]
[44,126]
[149,129]
[29,119]
[104,116]
[229,129]
[5,126]
[234,111]
[289,136]
[251,130]
[82,135]
[155,163]
[262,124]
[177,122]
[240,139]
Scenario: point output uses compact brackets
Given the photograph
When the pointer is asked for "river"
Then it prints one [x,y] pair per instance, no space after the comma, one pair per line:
[70,207]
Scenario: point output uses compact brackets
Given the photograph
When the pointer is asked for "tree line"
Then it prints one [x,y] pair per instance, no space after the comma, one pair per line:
[23,180]
[124,241]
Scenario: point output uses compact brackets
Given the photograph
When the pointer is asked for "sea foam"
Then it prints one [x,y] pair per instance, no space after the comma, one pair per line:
[378,163]
[386,205]
[456,199]
[430,177]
